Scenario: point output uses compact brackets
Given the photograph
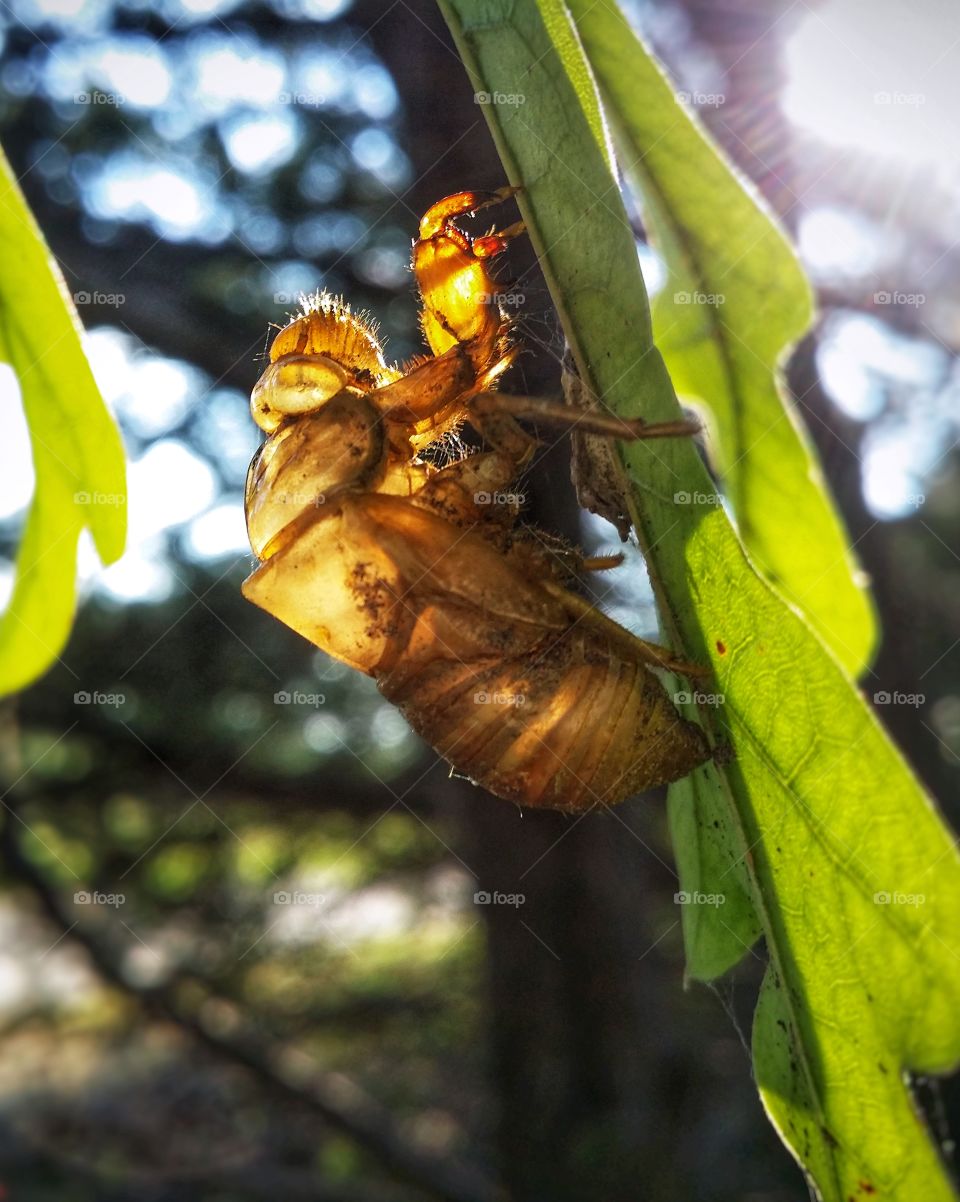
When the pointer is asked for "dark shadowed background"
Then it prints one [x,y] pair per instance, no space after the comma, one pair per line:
[284,986]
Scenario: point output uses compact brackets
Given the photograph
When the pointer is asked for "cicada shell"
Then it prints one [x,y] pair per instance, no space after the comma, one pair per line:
[468,621]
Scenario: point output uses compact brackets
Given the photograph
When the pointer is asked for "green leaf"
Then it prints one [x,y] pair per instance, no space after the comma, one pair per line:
[724,355]
[77,452]
[708,848]
[817,815]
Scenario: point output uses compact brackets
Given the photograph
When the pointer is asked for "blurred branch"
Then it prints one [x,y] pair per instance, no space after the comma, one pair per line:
[338,1101]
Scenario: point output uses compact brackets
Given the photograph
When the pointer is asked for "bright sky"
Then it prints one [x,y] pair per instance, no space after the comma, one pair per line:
[882,76]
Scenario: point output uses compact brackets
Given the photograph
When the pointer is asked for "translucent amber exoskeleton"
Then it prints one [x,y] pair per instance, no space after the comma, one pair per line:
[467,620]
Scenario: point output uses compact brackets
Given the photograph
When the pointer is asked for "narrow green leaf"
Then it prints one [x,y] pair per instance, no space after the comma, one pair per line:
[710,864]
[820,813]
[736,299]
[77,452]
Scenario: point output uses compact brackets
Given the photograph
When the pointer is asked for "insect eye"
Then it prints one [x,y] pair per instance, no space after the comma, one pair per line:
[295,384]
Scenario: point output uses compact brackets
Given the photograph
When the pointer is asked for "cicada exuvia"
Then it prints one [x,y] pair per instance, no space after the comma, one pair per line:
[467,619]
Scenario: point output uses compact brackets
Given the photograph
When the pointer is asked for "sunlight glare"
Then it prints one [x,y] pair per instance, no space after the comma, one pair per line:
[895,462]
[219,532]
[169,485]
[838,243]
[878,79]
[130,187]
[258,143]
[234,70]
[136,70]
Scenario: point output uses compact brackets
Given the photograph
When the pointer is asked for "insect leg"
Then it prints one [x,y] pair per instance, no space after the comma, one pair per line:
[461,204]
[539,554]
[600,563]
[459,294]
[651,653]
[424,391]
[496,405]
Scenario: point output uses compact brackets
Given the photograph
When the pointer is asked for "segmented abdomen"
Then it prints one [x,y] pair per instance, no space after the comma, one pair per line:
[569,724]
